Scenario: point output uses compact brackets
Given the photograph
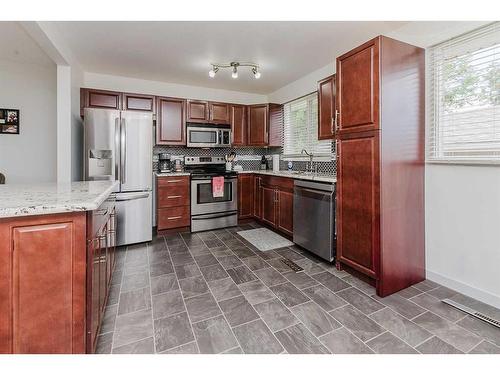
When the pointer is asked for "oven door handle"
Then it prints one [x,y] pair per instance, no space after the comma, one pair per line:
[214,216]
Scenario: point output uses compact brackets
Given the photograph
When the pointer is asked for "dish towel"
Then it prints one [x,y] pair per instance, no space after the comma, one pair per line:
[218,187]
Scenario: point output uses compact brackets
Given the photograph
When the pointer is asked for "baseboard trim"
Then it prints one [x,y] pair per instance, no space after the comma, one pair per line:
[470,291]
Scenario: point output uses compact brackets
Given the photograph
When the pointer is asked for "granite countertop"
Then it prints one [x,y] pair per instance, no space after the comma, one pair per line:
[297,176]
[51,198]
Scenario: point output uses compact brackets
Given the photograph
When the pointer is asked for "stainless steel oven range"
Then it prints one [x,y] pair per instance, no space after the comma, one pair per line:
[209,212]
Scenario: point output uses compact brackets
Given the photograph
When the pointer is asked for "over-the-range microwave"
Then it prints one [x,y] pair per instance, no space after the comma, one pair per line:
[208,136]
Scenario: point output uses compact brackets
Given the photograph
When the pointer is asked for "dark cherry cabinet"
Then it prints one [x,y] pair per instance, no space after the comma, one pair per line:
[269,200]
[170,121]
[245,196]
[139,102]
[258,125]
[91,98]
[198,111]
[358,198]
[238,125]
[326,108]
[173,202]
[380,173]
[42,284]
[358,88]
[219,113]
[285,211]
[275,125]
[257,197]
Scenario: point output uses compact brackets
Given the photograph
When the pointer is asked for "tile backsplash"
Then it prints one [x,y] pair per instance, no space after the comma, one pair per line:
[248,157]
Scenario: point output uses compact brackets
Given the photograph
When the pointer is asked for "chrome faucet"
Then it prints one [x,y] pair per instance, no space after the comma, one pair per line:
[310,166]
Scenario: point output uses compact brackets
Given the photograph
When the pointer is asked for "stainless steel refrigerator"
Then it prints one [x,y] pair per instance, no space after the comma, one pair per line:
[119,146]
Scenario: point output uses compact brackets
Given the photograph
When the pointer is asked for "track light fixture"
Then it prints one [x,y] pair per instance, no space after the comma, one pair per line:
[234,67]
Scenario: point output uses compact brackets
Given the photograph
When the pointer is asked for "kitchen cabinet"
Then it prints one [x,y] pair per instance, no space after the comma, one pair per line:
[277,203]
[326,108]
[219,113]
[358,88]
[42,284]
[245,196]
[170,121]
[258,125]
[198,111]
[275,125]
[138,102]
[257,205]
[238,125]
[380,175]
[92,98]
[173,202]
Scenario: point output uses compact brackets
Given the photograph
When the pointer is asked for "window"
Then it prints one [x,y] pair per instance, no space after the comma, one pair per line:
[301,130]
[465,98]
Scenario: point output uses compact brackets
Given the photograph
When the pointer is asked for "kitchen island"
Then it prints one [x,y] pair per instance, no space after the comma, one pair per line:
[56,261]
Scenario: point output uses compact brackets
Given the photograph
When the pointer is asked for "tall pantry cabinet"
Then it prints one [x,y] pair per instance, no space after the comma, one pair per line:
[380,151]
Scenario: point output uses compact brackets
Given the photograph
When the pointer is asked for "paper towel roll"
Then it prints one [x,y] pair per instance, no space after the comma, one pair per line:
[276,163]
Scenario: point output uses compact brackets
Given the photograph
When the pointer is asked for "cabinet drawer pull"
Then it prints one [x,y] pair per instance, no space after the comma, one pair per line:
[173,181]
[174,196]
[174,218]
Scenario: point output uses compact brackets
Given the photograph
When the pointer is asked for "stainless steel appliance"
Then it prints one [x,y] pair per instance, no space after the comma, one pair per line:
[314,218]
[209,212]
[203,136]
[118,146]
[164,163]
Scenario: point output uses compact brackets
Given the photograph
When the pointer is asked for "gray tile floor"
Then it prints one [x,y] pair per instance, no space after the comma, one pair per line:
[213,292]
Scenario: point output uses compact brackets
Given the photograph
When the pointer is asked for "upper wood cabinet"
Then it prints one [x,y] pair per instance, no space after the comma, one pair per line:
[219,113]
[170,121]
[326,108]
[198,111]
[358,88]
[258,125]
[91,98]
[275,125]
[238,125]
[138,102]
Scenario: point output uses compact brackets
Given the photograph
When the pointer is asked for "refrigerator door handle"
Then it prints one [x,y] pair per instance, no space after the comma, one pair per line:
[117,148]
[123,151]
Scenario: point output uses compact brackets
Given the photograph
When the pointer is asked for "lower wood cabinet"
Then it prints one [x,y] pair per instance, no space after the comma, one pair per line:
[285,212]
[173,202]
[245,196]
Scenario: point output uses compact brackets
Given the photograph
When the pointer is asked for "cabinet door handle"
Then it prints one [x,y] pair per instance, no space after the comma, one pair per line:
[174,217]
[337,125]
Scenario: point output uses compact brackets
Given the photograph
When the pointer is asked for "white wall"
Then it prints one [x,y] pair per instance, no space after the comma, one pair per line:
[126,84]
[76,125]
[462,223]
[302,86]
[31,155]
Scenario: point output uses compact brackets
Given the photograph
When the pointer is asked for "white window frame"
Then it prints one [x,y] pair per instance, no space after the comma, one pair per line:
[312,126]
[436,152]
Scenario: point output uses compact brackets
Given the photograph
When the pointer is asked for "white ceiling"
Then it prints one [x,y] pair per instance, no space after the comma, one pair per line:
[17,45]
[181,52]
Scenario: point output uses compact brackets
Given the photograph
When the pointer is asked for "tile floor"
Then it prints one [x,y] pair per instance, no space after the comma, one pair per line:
[213,292]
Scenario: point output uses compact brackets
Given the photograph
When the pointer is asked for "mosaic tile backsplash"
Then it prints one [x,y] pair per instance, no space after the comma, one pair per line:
[248,157]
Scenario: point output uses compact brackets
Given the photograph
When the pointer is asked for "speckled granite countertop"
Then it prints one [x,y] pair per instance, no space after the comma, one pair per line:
[297,176]
[51,198]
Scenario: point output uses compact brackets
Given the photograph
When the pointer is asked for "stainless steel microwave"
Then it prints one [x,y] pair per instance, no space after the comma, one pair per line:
[208,136]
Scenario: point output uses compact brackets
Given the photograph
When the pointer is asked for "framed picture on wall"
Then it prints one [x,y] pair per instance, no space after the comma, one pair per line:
[9,121]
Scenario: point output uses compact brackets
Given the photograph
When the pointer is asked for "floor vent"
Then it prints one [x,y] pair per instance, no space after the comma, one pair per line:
[474,313]
[294,266]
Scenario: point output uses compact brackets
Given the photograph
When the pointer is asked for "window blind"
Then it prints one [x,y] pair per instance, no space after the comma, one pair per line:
[300,130]
[464,123]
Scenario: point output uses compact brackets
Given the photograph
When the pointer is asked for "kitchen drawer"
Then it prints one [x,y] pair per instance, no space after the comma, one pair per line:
[173,181]
[283,183]
[174,217]
[173,196]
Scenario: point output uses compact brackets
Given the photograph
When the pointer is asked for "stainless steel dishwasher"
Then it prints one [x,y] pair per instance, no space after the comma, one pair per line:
[314,218]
